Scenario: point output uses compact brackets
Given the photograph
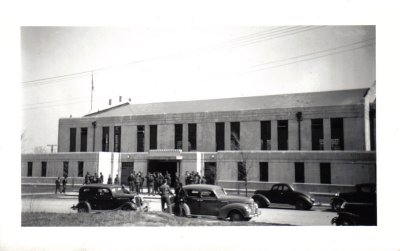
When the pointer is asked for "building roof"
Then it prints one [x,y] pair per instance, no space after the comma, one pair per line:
[312,99]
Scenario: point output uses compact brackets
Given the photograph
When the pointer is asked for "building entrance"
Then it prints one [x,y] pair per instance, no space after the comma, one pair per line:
[164,166]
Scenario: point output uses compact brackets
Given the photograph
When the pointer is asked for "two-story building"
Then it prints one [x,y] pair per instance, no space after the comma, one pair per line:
[324,140]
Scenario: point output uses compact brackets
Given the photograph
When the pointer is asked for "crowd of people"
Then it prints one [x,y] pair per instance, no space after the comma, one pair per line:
[194,178]
[156,182]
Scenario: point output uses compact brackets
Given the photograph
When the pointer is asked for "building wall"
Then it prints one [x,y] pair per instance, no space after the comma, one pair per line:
[353,116]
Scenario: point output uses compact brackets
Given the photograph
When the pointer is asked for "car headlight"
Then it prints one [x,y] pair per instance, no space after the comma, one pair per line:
[248,208]
[336,194]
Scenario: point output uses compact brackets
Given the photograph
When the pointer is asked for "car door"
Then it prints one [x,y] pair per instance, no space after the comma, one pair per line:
[274,194]
[209,203]
[193,200]
[286,195]
[105,199]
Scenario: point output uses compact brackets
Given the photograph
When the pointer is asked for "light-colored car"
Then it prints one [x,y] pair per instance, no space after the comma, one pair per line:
[210,200]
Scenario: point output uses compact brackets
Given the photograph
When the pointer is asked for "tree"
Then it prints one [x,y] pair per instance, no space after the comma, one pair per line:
[246,163]
[39,149]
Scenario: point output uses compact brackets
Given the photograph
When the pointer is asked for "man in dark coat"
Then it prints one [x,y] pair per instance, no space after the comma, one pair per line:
[58,185]
[165,191]
[179,200]
[150,184]
[131,182]
[64,184]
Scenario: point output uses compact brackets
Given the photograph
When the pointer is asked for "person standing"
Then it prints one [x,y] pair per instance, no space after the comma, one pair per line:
[179,200]
[64,184]
[131,181]
[58,185]
[87,176]
[137,183]
[116,179]
[165,191]
[101,179]
[109,181]
[150,184]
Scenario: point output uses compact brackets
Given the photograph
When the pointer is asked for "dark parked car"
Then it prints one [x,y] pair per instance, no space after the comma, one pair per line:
[351,214]
[283,193]
[108,197]
[212,200]
[363,193]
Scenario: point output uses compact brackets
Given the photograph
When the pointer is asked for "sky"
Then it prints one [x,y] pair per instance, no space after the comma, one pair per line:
[156,64]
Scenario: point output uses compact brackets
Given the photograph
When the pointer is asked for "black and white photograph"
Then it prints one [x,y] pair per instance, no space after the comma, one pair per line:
[228,136]
[277,126]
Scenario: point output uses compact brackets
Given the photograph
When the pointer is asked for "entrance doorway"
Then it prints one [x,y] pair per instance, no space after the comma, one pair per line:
[164,166]
[126,170]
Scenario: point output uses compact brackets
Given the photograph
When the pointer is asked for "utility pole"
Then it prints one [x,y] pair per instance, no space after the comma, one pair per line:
[52,145]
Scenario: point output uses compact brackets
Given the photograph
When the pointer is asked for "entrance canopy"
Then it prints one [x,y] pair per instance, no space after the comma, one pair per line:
[165,154]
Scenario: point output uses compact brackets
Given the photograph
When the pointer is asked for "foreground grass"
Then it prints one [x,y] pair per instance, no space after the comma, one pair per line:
[121,218]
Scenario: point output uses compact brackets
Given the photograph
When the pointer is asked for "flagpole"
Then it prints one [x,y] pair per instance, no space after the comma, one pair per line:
[91,96]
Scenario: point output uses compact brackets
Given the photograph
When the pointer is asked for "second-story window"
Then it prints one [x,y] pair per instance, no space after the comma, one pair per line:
[235,135]
[44,168]
[153,136]
[117,139]
[283,135]
[84,132]
[220,136]
[317,134]
[72,139]
[178,136]
[140,138]
[337,139]
[106,139]
[192,135]
[265,135]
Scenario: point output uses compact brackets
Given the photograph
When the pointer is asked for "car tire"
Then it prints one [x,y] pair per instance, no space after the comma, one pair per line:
[83,207]
[261,201]
[301,205]
[236,216]
[336,205]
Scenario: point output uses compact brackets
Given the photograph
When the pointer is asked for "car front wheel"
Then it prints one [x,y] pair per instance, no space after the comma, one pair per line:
[301,205]
[236,216]
[83,207]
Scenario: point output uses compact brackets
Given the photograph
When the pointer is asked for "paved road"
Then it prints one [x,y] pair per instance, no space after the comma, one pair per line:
[278,214]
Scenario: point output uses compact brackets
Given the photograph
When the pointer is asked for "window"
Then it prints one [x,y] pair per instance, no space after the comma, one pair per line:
[44,168]
[153,136]
[80,168]
[72,139]
[235,135]
[178,136]
[30,167]
[220,136]
[317,134]
[299,172]
[65,169]
[117,139]
[84,139]
[192,135]
[264,171]
[325,173]
[106,139]
[140,138]
[283,135]
[337,142]
[241,171]
[265,135]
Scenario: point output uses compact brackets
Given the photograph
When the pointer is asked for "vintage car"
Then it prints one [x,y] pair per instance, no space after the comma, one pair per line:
[94,197]
[283,193]
[354,213]
[210,200]
[363,193]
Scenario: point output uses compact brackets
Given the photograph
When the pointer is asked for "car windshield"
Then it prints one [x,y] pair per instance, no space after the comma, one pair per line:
[117,190]
[219,191]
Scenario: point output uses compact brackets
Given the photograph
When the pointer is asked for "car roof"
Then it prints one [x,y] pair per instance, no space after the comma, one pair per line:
[201,186]
[99,186]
